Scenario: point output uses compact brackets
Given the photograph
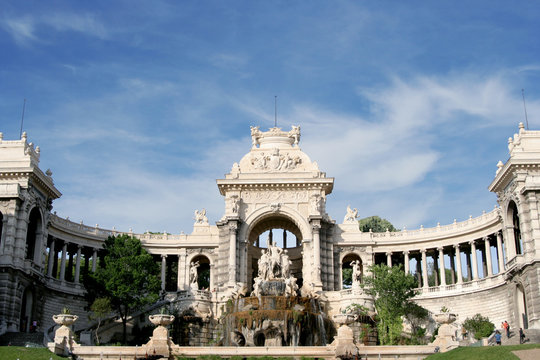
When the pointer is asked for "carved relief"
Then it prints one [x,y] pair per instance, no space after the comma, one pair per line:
[200,217]
[274,161]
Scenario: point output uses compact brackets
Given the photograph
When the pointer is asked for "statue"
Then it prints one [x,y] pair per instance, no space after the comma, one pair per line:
[200,217]
[295,133]
[351,215]
[285,265]
[356,274]
[234,205]
[255,135]
[264,264]
[193,275]
[275,260]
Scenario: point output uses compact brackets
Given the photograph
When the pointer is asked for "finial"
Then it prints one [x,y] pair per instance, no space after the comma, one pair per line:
[24,136]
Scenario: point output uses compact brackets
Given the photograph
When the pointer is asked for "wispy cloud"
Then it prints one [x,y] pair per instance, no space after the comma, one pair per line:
[28,29]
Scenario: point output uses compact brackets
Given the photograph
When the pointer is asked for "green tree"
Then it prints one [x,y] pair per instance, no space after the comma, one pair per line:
[392,290]
[376,224]
[100,308]
[129,277]
[479,325]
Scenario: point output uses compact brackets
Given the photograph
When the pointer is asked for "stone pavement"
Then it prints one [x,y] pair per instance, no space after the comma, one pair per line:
[531,354]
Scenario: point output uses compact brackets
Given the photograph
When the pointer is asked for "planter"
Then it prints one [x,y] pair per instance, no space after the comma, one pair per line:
[161,319]
[445,318]
[65,319]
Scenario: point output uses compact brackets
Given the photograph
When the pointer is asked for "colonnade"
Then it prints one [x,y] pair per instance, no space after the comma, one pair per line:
[458,273]
[70,253]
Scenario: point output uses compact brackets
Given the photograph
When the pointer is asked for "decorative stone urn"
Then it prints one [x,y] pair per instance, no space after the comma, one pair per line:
[344,319]
[344,341]
[160,343]
[445,318]
[65,319]
[161,319]
[63,337]
[445,338]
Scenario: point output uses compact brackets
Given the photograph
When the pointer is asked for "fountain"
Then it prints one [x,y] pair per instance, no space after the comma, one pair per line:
[274,314]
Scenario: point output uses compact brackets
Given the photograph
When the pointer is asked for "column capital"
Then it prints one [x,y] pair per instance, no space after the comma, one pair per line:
[79,246]
[406,252]
[440,248]
[485,238]
[388,253]
[423,251]
[456,246]
[315,226]
[163,256]
[233,226]
[472,242]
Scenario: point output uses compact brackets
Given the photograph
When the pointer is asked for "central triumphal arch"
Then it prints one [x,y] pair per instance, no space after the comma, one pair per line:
[275,186]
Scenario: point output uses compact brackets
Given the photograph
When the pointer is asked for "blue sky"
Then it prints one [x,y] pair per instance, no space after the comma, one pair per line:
[138,106]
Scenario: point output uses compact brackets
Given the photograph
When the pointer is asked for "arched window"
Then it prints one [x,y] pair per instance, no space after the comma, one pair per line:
[517,231]
[33,233]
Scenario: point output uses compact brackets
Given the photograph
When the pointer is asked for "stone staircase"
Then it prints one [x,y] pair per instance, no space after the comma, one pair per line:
[532,336]
[22,339]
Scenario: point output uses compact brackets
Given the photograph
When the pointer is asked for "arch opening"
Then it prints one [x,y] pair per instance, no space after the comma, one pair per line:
[284,233]
[199,272]
[351,271]
[33,234]
[513,216]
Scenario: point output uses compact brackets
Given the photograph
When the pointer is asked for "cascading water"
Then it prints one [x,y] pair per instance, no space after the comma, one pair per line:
[274,314]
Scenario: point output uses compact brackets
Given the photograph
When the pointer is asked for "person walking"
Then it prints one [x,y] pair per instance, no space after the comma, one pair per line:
[498,337]
[506,327]
[521,336]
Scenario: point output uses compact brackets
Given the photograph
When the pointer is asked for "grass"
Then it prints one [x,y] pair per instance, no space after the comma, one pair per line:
[26,353]
[483,353]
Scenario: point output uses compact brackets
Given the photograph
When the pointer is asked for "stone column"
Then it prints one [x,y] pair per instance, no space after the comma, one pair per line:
[78,264]
[500,256]
[474,260]
[70,266]
[488,256]
[424,269]
[52,254]
[233,227]
[389,259]
[284,239]
[459,274]
[63,262]
[419,271]
[181,283]
[94,260]
[163,270]
[317,254]
[442,270]
[452,267]
[406,260]
[510,243]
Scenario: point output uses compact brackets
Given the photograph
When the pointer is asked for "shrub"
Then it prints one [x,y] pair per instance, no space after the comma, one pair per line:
[479,325]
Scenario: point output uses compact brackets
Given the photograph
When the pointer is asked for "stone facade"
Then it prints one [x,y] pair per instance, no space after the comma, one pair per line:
[488,264]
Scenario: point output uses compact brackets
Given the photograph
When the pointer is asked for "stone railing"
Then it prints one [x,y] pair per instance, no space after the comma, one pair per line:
[471,223]
[469,286]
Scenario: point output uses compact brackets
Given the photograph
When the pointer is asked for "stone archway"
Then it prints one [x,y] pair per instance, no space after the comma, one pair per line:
[347,272]
[521,307]
[27,315]
[290,239]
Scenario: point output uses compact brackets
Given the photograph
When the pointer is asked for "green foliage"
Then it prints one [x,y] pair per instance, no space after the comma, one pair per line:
[100,308]
[479,325]
[129,277]
[483,353]
[392,290]
[356,309]
[376,224]
[347,277]
[27,353]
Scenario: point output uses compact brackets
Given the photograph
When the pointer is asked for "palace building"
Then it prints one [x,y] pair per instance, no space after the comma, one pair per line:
[276,194]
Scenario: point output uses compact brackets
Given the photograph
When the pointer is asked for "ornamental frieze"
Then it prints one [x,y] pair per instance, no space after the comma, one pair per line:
[282,196]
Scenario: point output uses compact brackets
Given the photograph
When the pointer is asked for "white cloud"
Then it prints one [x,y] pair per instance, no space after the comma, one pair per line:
[28,29]
[22,29]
